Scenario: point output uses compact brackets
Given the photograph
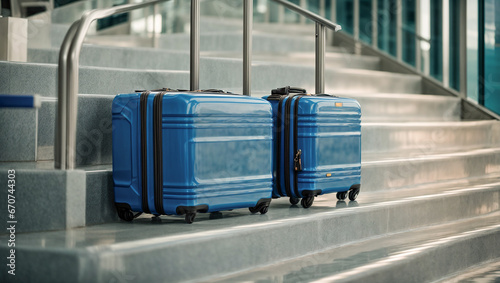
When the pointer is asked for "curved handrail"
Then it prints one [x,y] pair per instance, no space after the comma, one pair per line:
[65,139]
[68,71]
[310,15]
[321,23]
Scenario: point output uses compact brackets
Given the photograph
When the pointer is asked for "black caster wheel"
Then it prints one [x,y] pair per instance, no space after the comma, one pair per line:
[253,210]
[294,201]
[126,214]
[353,194]
[190,217]
[341,195]
[307,202]
[264,209]
[341,204]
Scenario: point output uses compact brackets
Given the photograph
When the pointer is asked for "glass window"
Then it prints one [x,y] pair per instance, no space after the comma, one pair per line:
[365,21]
[409,31]
[345,16]
[387,24]
[492,55]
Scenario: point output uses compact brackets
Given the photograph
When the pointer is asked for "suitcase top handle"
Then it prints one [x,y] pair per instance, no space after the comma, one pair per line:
[287,90]
[211,90]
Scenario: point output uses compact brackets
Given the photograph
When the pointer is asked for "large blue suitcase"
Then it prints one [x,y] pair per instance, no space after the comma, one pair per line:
[180,152]
[317,145]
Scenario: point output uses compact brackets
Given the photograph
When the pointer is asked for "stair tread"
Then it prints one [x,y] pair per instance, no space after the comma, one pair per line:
[173,229]
[355,260]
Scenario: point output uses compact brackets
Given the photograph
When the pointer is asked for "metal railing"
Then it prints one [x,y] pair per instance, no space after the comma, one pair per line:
[68,71]
[321,25]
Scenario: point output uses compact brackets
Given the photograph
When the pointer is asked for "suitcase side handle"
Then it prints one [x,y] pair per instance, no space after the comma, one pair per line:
[325,94]
[287,90]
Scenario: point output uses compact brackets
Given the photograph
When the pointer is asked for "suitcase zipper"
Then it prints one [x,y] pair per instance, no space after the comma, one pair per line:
[144,157]
[158,152]
[296,150]
[278,146]
[288,106]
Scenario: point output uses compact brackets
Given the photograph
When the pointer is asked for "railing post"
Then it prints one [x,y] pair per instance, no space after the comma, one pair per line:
[418,47]
[247,45]
[320,58]
[374,24]
[463,49]
[60,157]
[399,30]
[357,44]
[446,42]
[195,46]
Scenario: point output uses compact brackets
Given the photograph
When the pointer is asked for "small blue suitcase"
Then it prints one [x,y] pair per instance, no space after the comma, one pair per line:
[181,152]
[317,145]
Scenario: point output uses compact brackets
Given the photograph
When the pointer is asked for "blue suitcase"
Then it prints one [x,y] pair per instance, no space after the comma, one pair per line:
[317,145]
[181,152]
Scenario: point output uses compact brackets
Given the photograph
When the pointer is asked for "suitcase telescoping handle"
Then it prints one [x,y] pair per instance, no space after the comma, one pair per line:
[210,90]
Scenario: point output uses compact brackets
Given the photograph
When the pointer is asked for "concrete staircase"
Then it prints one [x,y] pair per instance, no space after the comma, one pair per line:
[428,210]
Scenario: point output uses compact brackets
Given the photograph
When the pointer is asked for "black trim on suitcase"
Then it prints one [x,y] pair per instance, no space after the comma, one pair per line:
[296,146]
[288,106]
[158,152]
[278,147]
[144,157]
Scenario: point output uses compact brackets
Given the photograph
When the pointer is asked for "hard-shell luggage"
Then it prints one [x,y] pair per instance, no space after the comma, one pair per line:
[181,152]
[317,145]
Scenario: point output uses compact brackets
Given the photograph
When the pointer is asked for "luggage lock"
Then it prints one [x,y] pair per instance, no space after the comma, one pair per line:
[298,160]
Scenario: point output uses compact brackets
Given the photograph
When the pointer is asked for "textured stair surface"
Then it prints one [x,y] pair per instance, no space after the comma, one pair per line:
[241,241]
[429,206]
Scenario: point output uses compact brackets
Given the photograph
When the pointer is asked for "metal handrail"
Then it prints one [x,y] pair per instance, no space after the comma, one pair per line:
[321,23]
[68,71]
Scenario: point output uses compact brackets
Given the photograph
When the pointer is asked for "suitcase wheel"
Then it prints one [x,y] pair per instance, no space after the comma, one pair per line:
[353,194]
[126,214]
[341,195]
[294,201]
[259,208]
[307,201]
[190,217]
[264,209]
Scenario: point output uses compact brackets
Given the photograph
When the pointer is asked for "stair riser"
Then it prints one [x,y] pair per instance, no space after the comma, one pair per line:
[384,109]
[157,59]
[262,244]
[439,262]
[389,175]
[42,79]
[425,139]
[214,74]
[46,200]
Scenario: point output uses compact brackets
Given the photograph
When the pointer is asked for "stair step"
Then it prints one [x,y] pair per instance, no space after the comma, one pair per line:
[332,60]
[215,73]
[208,247]
[487,272]
[404,172]
[393,107]
[148,58]
[93,80]
[421,255]
[33,131]
[424,138]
